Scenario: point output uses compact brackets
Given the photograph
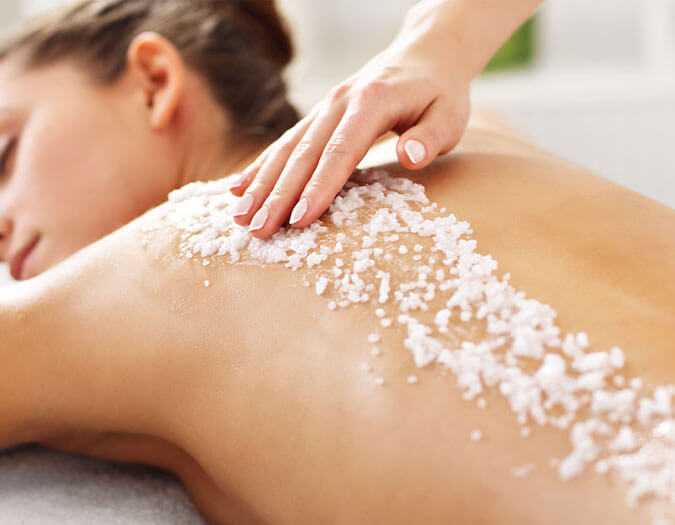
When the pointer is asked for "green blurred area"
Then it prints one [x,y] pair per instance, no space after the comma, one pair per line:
[517,51]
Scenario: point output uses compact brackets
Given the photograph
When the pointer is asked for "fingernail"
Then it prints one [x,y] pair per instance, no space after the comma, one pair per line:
[299,210]
[415,150]
[236,180]
[260,218]
[243,205]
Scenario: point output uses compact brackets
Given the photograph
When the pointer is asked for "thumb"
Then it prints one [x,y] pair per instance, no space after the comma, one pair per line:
[436,131]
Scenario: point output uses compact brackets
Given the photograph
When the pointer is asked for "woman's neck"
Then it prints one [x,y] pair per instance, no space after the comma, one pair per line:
[234,159]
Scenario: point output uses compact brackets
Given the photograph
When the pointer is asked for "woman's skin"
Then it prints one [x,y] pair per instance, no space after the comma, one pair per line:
[90,158]
[263,410]
[418,87]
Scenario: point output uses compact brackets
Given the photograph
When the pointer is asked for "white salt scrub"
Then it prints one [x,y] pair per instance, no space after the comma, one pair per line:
[615,425]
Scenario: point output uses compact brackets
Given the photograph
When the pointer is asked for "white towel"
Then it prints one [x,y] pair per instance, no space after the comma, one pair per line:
[41,486]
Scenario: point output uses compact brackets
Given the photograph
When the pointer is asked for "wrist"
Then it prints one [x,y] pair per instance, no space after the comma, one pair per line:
[461,36]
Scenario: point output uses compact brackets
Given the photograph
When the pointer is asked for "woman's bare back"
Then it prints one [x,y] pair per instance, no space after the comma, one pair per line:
[277,397]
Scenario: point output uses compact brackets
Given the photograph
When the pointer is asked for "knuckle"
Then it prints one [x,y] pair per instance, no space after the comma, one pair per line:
[337,147]
[319,187]
[303,149]
[284,147]
[280,193]
[373,91]
[338,92]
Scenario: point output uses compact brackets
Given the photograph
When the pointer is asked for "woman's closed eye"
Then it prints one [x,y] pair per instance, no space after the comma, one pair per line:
[6,154]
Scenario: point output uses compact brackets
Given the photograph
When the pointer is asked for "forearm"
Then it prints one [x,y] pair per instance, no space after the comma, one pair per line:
[465,33]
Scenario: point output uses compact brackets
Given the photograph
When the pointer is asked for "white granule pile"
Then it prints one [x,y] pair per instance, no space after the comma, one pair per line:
[455,313]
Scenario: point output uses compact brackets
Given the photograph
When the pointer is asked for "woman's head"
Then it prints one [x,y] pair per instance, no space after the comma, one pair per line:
[107,105]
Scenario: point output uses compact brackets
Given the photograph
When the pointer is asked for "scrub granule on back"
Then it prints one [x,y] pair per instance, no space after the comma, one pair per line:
[383,245]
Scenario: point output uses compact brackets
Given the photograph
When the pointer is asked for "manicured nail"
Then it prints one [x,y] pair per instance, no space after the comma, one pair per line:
[415,150]
[260,218]
[236,180]
[299,210]
[243,205]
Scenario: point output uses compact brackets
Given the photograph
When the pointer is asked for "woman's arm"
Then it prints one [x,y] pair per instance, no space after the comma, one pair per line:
[462,34]
[417,87]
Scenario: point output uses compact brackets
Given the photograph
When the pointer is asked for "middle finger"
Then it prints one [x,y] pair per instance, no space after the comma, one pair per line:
[299,160]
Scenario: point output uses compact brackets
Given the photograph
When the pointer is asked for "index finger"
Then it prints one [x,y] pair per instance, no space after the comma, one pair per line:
[355,134]
[289,138]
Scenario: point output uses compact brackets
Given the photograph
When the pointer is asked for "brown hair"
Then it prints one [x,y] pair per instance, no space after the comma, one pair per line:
[240,47]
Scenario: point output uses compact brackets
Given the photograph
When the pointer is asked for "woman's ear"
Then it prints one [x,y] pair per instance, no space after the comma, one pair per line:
[159,68]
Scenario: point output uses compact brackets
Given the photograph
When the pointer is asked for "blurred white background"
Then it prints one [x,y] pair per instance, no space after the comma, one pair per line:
[599,92]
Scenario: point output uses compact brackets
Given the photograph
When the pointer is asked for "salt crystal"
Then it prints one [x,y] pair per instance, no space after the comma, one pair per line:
[412,379]
[376,352]
[207,283]
[366,367]
[616,357]
[476,435]
[525,432]
[321,285]
[521,354]
[635,383]
[666,430]
[374,338]
[624,441]
[385,322]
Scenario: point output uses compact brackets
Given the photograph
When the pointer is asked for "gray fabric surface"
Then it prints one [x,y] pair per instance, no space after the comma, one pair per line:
[41,486]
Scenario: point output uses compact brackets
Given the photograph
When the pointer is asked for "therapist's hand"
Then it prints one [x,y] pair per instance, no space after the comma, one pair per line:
[418,94]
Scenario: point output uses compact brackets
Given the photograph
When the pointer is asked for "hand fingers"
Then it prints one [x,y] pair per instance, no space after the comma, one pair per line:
[303,155]
[349,143]
[437,131]
[288,139]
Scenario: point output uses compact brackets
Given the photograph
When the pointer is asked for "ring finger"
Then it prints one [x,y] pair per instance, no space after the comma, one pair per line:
[303,156]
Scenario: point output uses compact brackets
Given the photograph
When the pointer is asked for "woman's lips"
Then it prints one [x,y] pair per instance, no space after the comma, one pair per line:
[20,264]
